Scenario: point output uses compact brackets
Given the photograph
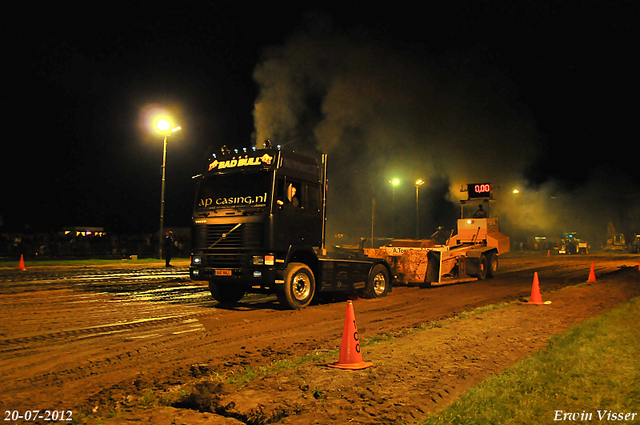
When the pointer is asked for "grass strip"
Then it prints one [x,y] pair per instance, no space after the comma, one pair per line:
[249,373]
[588,374]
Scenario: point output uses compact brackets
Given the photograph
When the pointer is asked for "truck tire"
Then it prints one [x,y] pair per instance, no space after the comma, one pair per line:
[492,259]
[299,286]
[483,267]
[226,293]
[378,282]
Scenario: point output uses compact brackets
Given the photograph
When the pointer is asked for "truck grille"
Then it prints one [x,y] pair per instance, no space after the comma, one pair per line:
[228,251]
[248,235]
[223,260]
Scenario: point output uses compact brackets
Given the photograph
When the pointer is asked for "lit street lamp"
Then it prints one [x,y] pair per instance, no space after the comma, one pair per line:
[165,127]
[418,184]
[394,183]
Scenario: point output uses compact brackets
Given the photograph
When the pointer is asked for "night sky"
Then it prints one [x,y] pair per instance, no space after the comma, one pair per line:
[538,95]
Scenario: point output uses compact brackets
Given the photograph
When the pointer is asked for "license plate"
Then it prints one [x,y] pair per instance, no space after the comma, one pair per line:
[223,272]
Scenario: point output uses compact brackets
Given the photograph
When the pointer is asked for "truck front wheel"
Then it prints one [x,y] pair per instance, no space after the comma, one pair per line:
[225,293]
[378,283]
[299,286]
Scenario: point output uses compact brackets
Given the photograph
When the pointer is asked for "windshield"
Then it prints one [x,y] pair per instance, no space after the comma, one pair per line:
[236,190]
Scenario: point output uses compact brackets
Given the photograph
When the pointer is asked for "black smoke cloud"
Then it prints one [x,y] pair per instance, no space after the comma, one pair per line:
[383,110]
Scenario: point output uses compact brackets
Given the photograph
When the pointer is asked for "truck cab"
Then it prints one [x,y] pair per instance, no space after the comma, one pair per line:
[258,226]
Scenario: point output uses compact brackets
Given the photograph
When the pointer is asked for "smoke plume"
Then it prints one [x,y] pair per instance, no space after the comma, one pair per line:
[382,111]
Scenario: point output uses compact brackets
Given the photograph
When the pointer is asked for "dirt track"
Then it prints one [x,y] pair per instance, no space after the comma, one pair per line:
[97,340]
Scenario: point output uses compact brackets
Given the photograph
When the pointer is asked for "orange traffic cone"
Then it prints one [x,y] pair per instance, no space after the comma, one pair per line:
[592,274]
[350,357]
[548,253]
[536,297]
[21,265]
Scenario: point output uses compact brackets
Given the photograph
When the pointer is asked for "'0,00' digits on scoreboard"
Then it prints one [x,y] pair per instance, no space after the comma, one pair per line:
[482,188]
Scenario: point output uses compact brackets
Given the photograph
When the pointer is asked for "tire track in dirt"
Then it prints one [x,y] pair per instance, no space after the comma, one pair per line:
[51,341]
[91,332]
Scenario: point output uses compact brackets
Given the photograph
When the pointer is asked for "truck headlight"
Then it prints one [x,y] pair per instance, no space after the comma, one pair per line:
[196,261]
[266,260]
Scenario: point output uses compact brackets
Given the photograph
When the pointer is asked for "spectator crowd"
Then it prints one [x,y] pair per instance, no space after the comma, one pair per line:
[60,245]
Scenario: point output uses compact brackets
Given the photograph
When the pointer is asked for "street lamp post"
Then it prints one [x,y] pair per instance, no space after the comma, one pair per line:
[373,216]
[394,183]
[165,127]
[418,184]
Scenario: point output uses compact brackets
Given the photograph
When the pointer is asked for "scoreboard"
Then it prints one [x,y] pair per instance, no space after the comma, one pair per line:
[479,191]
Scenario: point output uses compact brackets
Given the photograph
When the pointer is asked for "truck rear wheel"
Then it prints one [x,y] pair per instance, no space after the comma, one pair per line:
[226,293]
[299,286]
[378,283]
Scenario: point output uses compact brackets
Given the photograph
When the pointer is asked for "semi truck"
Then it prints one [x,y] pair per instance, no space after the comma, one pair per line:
[469,254]
[259,225]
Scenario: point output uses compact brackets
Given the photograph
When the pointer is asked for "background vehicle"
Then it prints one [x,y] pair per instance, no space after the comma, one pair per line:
[615,241]
[634,245]
[571,244]
[259,226]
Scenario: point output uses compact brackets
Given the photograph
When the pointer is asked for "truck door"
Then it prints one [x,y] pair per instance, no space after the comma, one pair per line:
[297,214]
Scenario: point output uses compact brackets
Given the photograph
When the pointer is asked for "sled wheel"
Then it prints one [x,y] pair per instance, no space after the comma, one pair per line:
[493,264]
[483,267]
